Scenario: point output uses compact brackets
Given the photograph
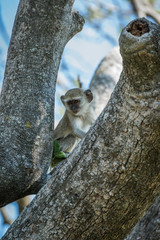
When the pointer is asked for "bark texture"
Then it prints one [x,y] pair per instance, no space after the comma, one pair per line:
[41,30]
[113,175]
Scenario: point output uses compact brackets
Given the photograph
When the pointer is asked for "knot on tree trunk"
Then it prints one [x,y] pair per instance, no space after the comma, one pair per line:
[138,27]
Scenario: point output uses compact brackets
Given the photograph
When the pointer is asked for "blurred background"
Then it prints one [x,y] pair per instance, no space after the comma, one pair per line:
[104,21]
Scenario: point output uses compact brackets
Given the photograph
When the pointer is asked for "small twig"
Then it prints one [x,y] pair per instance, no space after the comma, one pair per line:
[79,81]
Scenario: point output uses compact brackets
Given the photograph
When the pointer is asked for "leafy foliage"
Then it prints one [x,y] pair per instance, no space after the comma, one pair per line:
[58,155]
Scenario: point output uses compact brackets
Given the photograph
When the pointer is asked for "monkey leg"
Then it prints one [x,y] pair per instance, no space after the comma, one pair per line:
[67,143]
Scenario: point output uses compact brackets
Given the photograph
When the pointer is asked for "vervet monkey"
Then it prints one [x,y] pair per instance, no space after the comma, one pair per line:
[78,118]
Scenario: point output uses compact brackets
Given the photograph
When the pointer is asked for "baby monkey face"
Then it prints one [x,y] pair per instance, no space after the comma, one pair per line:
[74,105]
[77,101]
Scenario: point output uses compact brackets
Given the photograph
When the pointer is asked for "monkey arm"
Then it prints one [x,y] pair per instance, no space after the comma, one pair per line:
[79,133]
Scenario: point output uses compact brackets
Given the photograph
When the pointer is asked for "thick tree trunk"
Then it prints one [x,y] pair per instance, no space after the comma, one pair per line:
[113,175]
[102,84]
[41,30]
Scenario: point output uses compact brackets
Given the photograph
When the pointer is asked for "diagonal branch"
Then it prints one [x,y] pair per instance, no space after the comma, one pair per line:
[105,78]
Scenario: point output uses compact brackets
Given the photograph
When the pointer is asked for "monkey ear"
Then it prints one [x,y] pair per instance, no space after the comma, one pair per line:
[89,95]
[62,99]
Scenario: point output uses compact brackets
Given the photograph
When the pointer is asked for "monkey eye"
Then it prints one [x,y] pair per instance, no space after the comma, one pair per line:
[69,102]
[76,101]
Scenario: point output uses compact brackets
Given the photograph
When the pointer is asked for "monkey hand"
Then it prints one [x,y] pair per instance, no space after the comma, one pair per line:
[57,155]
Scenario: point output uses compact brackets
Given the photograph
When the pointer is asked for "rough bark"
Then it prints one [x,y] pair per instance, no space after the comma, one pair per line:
[41,30]
[113,175]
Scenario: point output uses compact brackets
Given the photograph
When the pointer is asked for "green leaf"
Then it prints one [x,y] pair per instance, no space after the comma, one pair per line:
[56,148]
[57,156]
[60,155]
[56,160]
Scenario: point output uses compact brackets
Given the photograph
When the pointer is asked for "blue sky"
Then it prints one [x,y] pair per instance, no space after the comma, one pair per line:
[8,11]
[9,8]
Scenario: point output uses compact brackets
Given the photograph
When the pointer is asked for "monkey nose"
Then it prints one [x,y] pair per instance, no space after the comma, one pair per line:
[74,109]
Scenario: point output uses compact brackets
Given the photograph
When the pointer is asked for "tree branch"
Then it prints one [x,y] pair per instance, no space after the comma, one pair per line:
[6,219]
[148,227]
[41,30]
[105,78]
[143,9]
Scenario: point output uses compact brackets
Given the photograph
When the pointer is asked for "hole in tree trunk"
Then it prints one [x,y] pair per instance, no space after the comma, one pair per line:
[138,27]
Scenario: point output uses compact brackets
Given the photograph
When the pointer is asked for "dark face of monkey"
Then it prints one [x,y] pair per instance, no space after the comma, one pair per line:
[74,105]
[77,100]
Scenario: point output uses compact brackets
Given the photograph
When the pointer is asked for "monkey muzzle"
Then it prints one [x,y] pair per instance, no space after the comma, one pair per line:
[75,109]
